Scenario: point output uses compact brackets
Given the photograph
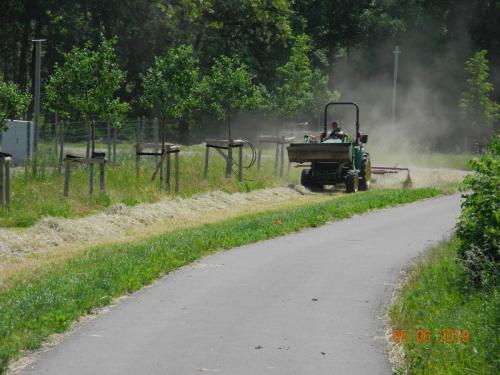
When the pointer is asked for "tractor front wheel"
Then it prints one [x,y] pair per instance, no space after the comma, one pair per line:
[305,178]
[351,182]
[307,181]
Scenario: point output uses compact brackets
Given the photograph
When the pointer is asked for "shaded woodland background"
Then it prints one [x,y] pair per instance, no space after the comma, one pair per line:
[352,43]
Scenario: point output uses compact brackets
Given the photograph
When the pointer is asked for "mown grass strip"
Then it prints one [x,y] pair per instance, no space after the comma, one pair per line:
[462,324]
[46,302]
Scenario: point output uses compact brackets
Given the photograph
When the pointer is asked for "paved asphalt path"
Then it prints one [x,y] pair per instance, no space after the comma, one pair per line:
[308,303]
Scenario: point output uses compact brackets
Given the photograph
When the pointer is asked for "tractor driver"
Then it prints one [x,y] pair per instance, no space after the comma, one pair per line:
[337,131]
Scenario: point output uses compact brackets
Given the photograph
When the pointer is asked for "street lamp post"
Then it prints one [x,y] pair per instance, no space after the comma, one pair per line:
[38,52]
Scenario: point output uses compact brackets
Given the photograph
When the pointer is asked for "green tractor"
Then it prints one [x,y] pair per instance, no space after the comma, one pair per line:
[335,159]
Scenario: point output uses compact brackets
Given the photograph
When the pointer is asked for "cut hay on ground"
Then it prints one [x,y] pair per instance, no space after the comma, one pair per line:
[122,221]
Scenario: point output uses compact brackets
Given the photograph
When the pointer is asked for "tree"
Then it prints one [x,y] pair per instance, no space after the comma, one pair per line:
[322,94]
[229,88]
[257,31]
[13,102]
[476,106]
[302,90]
[85,86]
[171,87]
[295,78]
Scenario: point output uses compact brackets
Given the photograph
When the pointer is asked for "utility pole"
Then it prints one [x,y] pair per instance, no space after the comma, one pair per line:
[38,53]
[396,53]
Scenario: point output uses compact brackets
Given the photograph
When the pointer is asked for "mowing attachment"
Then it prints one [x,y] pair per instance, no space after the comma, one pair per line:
[394,170]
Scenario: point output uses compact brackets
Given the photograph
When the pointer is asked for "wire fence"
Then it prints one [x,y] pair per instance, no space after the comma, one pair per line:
[55,140]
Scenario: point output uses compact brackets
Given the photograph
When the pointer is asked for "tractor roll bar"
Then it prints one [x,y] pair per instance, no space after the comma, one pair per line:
[343,103]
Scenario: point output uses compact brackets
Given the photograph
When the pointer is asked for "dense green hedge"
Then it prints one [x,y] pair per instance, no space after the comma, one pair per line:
[479,226]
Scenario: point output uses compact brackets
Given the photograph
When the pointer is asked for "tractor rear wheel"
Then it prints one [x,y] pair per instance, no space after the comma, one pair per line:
[365,174]
[307,181]
[351,182]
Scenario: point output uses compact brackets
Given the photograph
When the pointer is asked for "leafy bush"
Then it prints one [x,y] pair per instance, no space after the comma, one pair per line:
[13,102]
[479,225]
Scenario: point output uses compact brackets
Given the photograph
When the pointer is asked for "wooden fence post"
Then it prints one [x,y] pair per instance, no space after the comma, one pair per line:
[89,136]
[102,176]
[240,166]
[282,159]
[207,154]
[259,156]
[67,171]
[167,177]
[114,144]
[276,157]
[156,136]
[61,144]
[91,178]
[7,182]
[229,165]
[161,171]
[176,172]
[108,137]
[138,150]
[54,131]
[2,163]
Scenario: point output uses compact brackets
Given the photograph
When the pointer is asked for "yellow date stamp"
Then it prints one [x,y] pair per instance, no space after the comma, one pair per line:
[425,336]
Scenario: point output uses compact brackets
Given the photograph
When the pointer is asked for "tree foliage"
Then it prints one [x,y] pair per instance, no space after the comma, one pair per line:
[171,85]
[86,85]
[435,35]
[295,79]
[229,88]
[13,102]
[302,90]
[476,104]
[171,88]
[479,225]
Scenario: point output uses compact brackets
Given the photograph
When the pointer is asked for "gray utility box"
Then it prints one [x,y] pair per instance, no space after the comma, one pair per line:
[17,140]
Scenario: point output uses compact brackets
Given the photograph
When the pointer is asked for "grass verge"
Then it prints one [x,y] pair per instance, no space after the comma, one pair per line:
[36,197]
[46,301]
[435,300]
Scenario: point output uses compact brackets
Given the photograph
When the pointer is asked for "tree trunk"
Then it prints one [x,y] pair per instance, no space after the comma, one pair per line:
[183,132]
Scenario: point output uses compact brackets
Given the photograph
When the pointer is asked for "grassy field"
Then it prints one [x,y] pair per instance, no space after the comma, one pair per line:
[435,299]
[33,198]
[46,301]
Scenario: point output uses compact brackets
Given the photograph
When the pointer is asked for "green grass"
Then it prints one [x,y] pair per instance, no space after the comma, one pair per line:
[34,198]
[45,301]
[434,299]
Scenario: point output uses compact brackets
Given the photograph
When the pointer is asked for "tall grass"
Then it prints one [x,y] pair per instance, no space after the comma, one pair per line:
[46,301]
[435,298]
[35,197]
